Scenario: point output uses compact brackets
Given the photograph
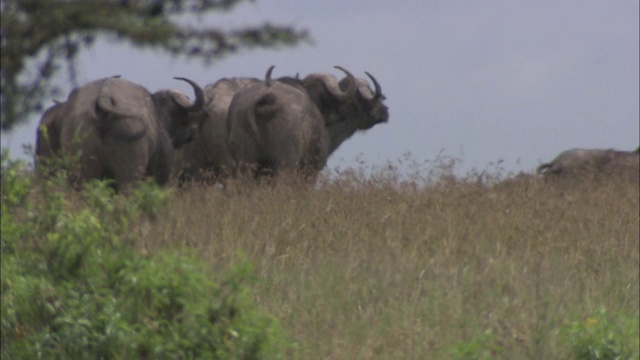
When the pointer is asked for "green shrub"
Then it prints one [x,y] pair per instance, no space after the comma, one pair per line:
[603,336]
[73,288]
[482,347]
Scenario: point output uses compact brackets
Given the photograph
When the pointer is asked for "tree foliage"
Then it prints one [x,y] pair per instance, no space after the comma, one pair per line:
[40,37]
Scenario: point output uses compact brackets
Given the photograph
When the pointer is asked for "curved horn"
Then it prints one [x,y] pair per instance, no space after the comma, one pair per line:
[330,84]
[197,104]
[351,87]
[267,77]
[378,91]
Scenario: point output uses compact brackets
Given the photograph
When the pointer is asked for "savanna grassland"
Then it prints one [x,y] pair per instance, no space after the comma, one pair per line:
[366,265]
[383,268]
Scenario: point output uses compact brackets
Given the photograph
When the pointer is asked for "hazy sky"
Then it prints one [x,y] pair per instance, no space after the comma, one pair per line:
[517,81]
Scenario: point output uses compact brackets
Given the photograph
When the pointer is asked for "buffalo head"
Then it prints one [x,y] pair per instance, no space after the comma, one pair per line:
[347,106]
[369,104]
[180,116]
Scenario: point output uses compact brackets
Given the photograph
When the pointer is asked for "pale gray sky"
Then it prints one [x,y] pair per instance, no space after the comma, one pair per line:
[518,81]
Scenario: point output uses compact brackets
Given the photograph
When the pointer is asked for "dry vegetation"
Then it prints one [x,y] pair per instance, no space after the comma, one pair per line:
[377,267]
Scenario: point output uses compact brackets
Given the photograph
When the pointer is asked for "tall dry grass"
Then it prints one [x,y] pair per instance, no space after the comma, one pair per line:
[383,267]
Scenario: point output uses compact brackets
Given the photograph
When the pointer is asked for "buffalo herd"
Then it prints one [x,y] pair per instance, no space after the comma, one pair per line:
[252,127]
[248,127]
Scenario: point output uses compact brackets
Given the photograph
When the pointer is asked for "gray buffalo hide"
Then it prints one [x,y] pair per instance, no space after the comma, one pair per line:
[120,130]
[592,162]
[275,127]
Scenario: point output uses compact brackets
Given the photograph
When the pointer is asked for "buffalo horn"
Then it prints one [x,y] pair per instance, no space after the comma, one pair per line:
[351,87]
[197,104]
[267,77]
[378,90]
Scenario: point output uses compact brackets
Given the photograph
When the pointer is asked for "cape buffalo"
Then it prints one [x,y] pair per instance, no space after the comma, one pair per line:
[577,162]
[121,130]
[48,132]
[274,127]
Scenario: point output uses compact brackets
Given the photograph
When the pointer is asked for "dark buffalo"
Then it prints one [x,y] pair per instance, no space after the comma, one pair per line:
[591,162]
[120,130]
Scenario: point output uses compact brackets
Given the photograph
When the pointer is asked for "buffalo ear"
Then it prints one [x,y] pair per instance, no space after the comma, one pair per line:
[181,99]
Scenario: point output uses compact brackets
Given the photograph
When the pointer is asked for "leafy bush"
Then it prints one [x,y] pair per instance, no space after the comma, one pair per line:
[603,337]
[72,287]
[483,346]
